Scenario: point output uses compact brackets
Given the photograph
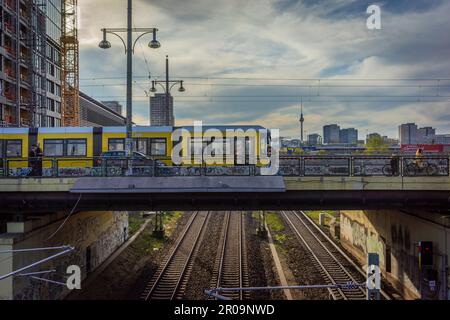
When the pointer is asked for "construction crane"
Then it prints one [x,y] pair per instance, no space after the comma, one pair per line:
[70,65]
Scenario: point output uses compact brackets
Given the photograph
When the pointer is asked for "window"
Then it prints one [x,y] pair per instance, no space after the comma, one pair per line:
[116,144]
[76,148]
[53,148]
[140,145]
[158,147]
[14,148]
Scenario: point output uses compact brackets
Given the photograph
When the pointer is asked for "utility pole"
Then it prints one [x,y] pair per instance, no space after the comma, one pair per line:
[167,86]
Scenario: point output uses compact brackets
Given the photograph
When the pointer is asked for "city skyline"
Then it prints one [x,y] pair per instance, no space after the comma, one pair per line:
[203,43]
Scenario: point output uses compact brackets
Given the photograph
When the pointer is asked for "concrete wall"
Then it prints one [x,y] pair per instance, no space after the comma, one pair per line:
[101,232]
[395,235]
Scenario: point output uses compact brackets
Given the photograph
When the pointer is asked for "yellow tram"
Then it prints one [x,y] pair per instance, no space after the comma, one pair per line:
[77,147]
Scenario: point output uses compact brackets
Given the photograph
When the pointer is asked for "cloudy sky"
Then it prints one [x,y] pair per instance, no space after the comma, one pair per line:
[252,62]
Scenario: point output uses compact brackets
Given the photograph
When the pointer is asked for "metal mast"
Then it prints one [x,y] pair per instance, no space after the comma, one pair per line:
[70,65]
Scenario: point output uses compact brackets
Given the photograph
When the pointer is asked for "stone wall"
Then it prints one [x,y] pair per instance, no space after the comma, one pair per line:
[101,233]
[395,235]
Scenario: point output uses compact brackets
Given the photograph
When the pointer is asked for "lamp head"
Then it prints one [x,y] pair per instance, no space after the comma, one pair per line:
[154,44]
[104,44]
[153,89]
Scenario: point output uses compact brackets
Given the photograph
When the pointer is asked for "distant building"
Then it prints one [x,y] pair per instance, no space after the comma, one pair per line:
[331,134]
[114,106]
[348,136]
[408,133]
[426,135]
[442,139]
[314,139]
[160,113]
[95,113]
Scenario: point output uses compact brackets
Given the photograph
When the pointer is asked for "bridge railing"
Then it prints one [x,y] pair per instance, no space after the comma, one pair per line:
[308,166]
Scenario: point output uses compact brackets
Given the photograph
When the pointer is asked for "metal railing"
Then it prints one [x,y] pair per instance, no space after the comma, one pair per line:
[360,166]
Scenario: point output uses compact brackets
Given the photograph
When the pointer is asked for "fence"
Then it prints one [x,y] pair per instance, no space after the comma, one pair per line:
[288,167]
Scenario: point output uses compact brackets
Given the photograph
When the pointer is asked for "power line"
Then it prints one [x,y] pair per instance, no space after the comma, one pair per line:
[281,85]
[277,79]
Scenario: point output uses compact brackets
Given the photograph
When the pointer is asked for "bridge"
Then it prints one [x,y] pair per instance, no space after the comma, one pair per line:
[222,193]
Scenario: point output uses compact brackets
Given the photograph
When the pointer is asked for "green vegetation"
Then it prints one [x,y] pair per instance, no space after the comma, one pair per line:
[274,222]
[314,215]
[135,221]
[376,144]
[146,242]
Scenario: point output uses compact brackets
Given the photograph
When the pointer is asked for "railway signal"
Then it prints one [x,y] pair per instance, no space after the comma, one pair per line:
[425,254]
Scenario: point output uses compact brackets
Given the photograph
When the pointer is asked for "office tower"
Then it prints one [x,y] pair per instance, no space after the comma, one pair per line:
[161,114]
[331,134]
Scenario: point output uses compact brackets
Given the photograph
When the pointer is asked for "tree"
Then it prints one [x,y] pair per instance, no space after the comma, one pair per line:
[376,144]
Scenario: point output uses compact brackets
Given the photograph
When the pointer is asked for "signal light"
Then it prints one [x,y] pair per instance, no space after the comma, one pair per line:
[425,253]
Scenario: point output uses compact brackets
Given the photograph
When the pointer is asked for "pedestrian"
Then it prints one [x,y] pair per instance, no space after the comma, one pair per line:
[418,160]
[39,155]
[394,165]
[32,160]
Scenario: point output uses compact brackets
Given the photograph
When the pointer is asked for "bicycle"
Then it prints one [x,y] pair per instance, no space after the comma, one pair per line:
[414,169]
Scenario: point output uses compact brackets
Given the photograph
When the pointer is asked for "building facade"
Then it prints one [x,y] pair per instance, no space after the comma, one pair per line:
[426,135]
[348,136]
[30,72]
[161,114]
[408,133]
[331,134]
[314,139]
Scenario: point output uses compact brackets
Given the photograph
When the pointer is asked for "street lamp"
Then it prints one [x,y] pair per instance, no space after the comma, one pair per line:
[167,85]
[129,46]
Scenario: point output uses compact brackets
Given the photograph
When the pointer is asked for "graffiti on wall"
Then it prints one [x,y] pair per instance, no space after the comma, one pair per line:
[361,238]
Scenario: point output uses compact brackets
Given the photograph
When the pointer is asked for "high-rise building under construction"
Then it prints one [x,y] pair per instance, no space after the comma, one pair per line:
[30,63]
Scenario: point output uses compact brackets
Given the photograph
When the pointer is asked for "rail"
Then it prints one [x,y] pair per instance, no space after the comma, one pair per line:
[334,269]
[231,265]
[168,280]
[308,166]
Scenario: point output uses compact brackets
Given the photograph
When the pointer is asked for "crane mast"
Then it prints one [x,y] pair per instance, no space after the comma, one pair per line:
[70,65]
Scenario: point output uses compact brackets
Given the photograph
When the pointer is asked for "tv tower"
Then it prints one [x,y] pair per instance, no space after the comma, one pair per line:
[302,121]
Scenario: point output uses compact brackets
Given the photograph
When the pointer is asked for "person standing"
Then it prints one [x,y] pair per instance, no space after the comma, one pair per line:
[39,155]
[395,165]
[32,160]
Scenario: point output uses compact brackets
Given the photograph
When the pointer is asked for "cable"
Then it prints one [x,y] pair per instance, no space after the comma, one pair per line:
[279,79]
[67,218]
[145,57]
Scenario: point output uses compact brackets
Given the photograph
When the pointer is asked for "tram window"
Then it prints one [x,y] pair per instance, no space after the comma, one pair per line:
[13,148]
[158,147]
[1,149]
[76,148]
[53,148]
[140,145]
[116,144]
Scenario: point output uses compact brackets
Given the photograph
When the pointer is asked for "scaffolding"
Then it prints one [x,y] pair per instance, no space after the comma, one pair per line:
[70,65]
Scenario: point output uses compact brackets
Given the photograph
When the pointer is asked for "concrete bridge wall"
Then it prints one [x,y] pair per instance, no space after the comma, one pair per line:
[395,235]
[100,232]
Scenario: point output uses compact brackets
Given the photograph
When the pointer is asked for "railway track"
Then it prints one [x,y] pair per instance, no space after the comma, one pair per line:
[169,281]
[231,270]
[334,266]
